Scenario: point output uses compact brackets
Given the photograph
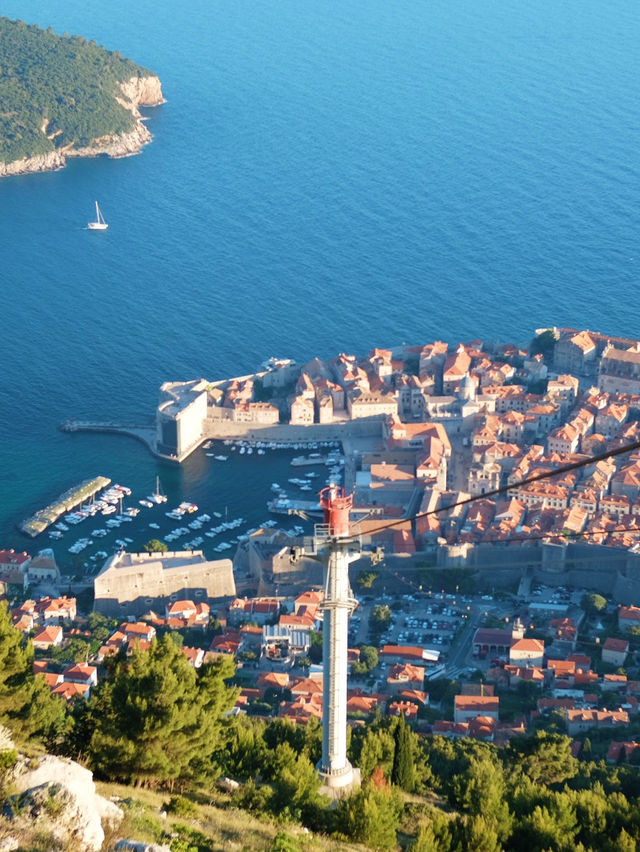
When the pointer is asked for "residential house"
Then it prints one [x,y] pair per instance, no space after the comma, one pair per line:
[615,651]
[628,617]
[405,676]
[81,673]
[578,721]
[48,636]
[54,610]
[467,707]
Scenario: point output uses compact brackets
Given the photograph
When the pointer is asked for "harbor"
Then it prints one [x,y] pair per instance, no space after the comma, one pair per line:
[213,503]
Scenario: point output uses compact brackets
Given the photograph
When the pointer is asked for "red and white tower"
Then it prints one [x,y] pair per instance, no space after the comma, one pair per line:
[334,544]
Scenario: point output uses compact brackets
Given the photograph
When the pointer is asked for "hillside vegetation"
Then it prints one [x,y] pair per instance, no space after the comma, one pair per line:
[158,735]
[57,91]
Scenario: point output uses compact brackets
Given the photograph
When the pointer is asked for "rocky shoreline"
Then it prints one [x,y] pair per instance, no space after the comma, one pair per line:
[136,92]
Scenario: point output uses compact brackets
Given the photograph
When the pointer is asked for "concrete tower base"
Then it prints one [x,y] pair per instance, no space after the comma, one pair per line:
[337,785]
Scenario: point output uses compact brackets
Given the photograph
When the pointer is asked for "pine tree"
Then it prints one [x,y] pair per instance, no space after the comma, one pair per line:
[403,771]
[15,663]
[435,837]
[26,703]
[372,816]
[157,721]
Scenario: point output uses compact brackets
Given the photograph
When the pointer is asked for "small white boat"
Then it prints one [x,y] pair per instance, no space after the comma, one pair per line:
[158,495]
[99,224]
[221,458]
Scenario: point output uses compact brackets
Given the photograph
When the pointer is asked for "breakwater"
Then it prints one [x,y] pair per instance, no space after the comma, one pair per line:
[146,434]
[43,518]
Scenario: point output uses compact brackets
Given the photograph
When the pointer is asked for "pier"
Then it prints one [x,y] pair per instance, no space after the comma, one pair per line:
[43,518]
[144,433]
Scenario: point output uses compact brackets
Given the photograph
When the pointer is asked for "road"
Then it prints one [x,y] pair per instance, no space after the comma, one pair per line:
[457,657]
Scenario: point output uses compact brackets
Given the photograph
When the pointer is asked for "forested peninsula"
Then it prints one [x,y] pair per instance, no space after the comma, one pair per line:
[65,96]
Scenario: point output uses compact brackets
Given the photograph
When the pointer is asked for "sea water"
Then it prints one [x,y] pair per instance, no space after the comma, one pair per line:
[325,176]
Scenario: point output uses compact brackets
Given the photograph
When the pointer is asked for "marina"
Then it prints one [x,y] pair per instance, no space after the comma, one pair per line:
[196,516]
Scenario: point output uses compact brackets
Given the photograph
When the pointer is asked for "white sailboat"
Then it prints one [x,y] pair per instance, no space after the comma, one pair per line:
[99,224]
[157,497]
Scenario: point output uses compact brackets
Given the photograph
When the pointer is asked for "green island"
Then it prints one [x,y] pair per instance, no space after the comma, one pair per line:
[67,96]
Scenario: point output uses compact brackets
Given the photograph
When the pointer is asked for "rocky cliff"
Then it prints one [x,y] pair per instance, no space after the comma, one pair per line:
[136,92]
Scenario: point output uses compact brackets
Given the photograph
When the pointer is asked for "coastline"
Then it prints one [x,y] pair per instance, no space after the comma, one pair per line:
[136,92]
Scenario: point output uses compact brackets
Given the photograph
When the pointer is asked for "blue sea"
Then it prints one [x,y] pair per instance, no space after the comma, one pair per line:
[324,177]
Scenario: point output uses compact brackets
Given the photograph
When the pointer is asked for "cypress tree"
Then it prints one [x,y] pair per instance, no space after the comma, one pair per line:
[403,771]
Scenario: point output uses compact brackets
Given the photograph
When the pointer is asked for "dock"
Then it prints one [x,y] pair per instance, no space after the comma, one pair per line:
[144,433]
[43,518]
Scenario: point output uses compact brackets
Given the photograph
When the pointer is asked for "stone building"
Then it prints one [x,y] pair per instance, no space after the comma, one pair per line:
[180,416]
[133,583]
[619,370]
[575,353]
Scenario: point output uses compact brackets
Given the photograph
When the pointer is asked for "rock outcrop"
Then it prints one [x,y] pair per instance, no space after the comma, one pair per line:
[123,145]
[59,797]
[137,846]
[143,91]
[136,92]
[42,163]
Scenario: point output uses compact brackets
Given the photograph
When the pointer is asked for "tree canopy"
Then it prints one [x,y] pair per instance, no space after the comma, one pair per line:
[154,545]
[156,720]
[26,704]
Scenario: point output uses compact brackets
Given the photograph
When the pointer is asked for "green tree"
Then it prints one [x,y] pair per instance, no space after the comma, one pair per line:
[625,843]
[482,792]
[478,835]
[372,816]
[26,703]
[544,343]
[315,648]
[403,770]
[295,783]
[553,826]
[284,842]
[377,749]
[380,618]
[99,626]
[544,758]
[157,721]
[593,603]
[366,578]
[369,656]
[434,837]
[76,650]
[154,545]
